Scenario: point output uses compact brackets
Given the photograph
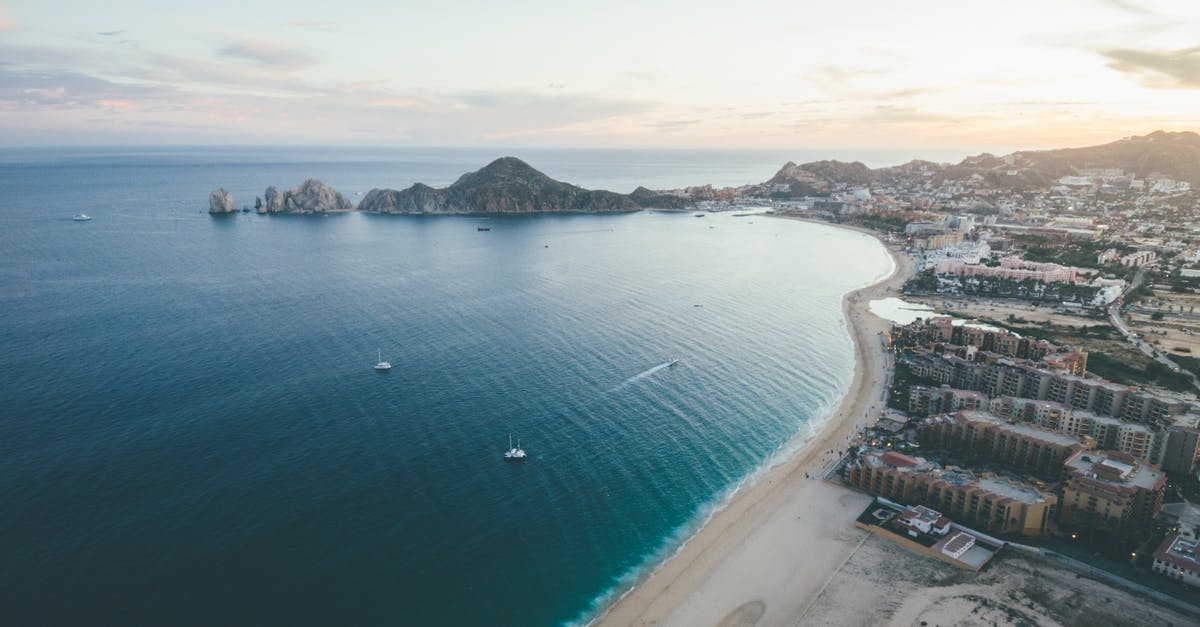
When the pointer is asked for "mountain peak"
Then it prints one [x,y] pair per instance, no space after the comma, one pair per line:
[506,185]
[503,169]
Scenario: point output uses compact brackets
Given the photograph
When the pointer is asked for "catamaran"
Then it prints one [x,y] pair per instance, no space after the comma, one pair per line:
[382,365]
[514,453]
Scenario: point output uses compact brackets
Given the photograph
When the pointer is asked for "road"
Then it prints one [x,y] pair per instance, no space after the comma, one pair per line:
[1118,321]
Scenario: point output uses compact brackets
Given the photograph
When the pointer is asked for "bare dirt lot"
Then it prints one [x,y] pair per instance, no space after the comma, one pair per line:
[884,584]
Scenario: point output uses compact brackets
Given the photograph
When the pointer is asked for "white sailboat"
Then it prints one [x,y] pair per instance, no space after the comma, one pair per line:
[514,453]
[381,364]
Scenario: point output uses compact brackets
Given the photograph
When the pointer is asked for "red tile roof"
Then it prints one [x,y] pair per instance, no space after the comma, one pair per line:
[899,460]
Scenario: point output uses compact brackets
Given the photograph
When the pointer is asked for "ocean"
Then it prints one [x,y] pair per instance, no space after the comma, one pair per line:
[191,431]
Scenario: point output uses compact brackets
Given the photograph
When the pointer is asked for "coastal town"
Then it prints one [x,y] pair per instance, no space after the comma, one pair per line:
[1023,436]
[1044,394]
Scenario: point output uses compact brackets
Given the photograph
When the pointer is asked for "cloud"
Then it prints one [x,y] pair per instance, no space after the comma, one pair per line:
[282,56]
[558,106]
[7,21]
[63,89]
[897,94]
[670,125]
[1179,69]
[1126,5]
[308,25]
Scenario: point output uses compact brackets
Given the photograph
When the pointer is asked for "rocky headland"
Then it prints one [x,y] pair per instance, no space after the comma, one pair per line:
[506,185]
[509,185]
[312,196]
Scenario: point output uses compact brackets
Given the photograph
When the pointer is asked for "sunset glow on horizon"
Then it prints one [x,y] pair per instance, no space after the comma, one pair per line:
[761,74]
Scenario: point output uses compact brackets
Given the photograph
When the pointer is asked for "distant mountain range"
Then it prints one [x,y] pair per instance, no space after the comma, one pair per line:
[509,185]
[1173,155]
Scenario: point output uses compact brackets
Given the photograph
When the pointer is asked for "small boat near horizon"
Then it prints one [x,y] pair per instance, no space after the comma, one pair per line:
[514,453]
[483,228]
[81,217]
[381,365]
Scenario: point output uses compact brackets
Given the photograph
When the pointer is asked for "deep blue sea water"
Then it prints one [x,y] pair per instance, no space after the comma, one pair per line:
[191,431]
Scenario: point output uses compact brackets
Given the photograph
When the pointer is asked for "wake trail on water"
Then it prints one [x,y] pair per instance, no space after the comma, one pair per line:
[641,375]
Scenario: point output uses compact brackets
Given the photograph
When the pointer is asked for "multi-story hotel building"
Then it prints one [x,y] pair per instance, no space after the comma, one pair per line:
[988,503]
[980,435]
[1112,493]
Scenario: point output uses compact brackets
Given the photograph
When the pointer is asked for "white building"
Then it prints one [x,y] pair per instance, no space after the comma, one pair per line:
[1176,558]
[1139,258]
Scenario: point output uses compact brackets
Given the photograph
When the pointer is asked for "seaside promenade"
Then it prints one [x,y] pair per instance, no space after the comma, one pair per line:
[768,554]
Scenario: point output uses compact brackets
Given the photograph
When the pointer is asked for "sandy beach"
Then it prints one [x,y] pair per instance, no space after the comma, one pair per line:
[765,557]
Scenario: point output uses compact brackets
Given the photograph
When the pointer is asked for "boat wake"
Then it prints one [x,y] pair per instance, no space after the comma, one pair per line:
[642,375]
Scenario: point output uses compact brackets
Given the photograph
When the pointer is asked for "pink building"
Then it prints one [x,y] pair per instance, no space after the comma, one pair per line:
[1011,268]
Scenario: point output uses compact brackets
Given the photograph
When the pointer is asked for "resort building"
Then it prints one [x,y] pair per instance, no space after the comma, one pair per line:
[923,401]
[1045,414]
[1181,454]
[955,338]
[1005,377]
[992,504]
[1112,493]
[1139,258]
[981,436]
[1012,268]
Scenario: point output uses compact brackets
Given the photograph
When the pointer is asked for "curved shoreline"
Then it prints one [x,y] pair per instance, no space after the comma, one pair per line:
[769,549]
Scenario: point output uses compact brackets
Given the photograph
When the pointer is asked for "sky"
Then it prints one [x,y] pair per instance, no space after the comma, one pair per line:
[882,74]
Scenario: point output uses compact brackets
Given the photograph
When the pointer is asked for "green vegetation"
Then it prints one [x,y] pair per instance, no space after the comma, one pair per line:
[1123,372]
[1073,253]
[1027,289]
[903,379]
[924,282]
[886,222]
[1187,363]
[1141,292]
[1182,284]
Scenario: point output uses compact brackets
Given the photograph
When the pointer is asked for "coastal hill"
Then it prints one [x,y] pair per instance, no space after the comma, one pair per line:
[509,185]
[1172,155]
[506,185]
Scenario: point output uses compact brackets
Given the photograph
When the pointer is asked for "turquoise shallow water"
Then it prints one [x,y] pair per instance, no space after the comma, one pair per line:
[191,431]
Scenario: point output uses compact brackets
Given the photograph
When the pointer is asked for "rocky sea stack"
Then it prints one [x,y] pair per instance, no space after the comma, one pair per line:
[221,201]
[312,196]
[506,185]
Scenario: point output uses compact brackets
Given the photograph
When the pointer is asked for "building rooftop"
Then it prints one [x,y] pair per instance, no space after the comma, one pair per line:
[1103,466]
[1188,420]
[1104,420]
[1027,430]
[922,513]
[899,460]
[1186,517]
[1180,551]
[1010,490]
[957,542]
[875,458]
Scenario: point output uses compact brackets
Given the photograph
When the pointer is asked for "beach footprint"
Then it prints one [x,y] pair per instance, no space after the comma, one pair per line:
[746,615]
